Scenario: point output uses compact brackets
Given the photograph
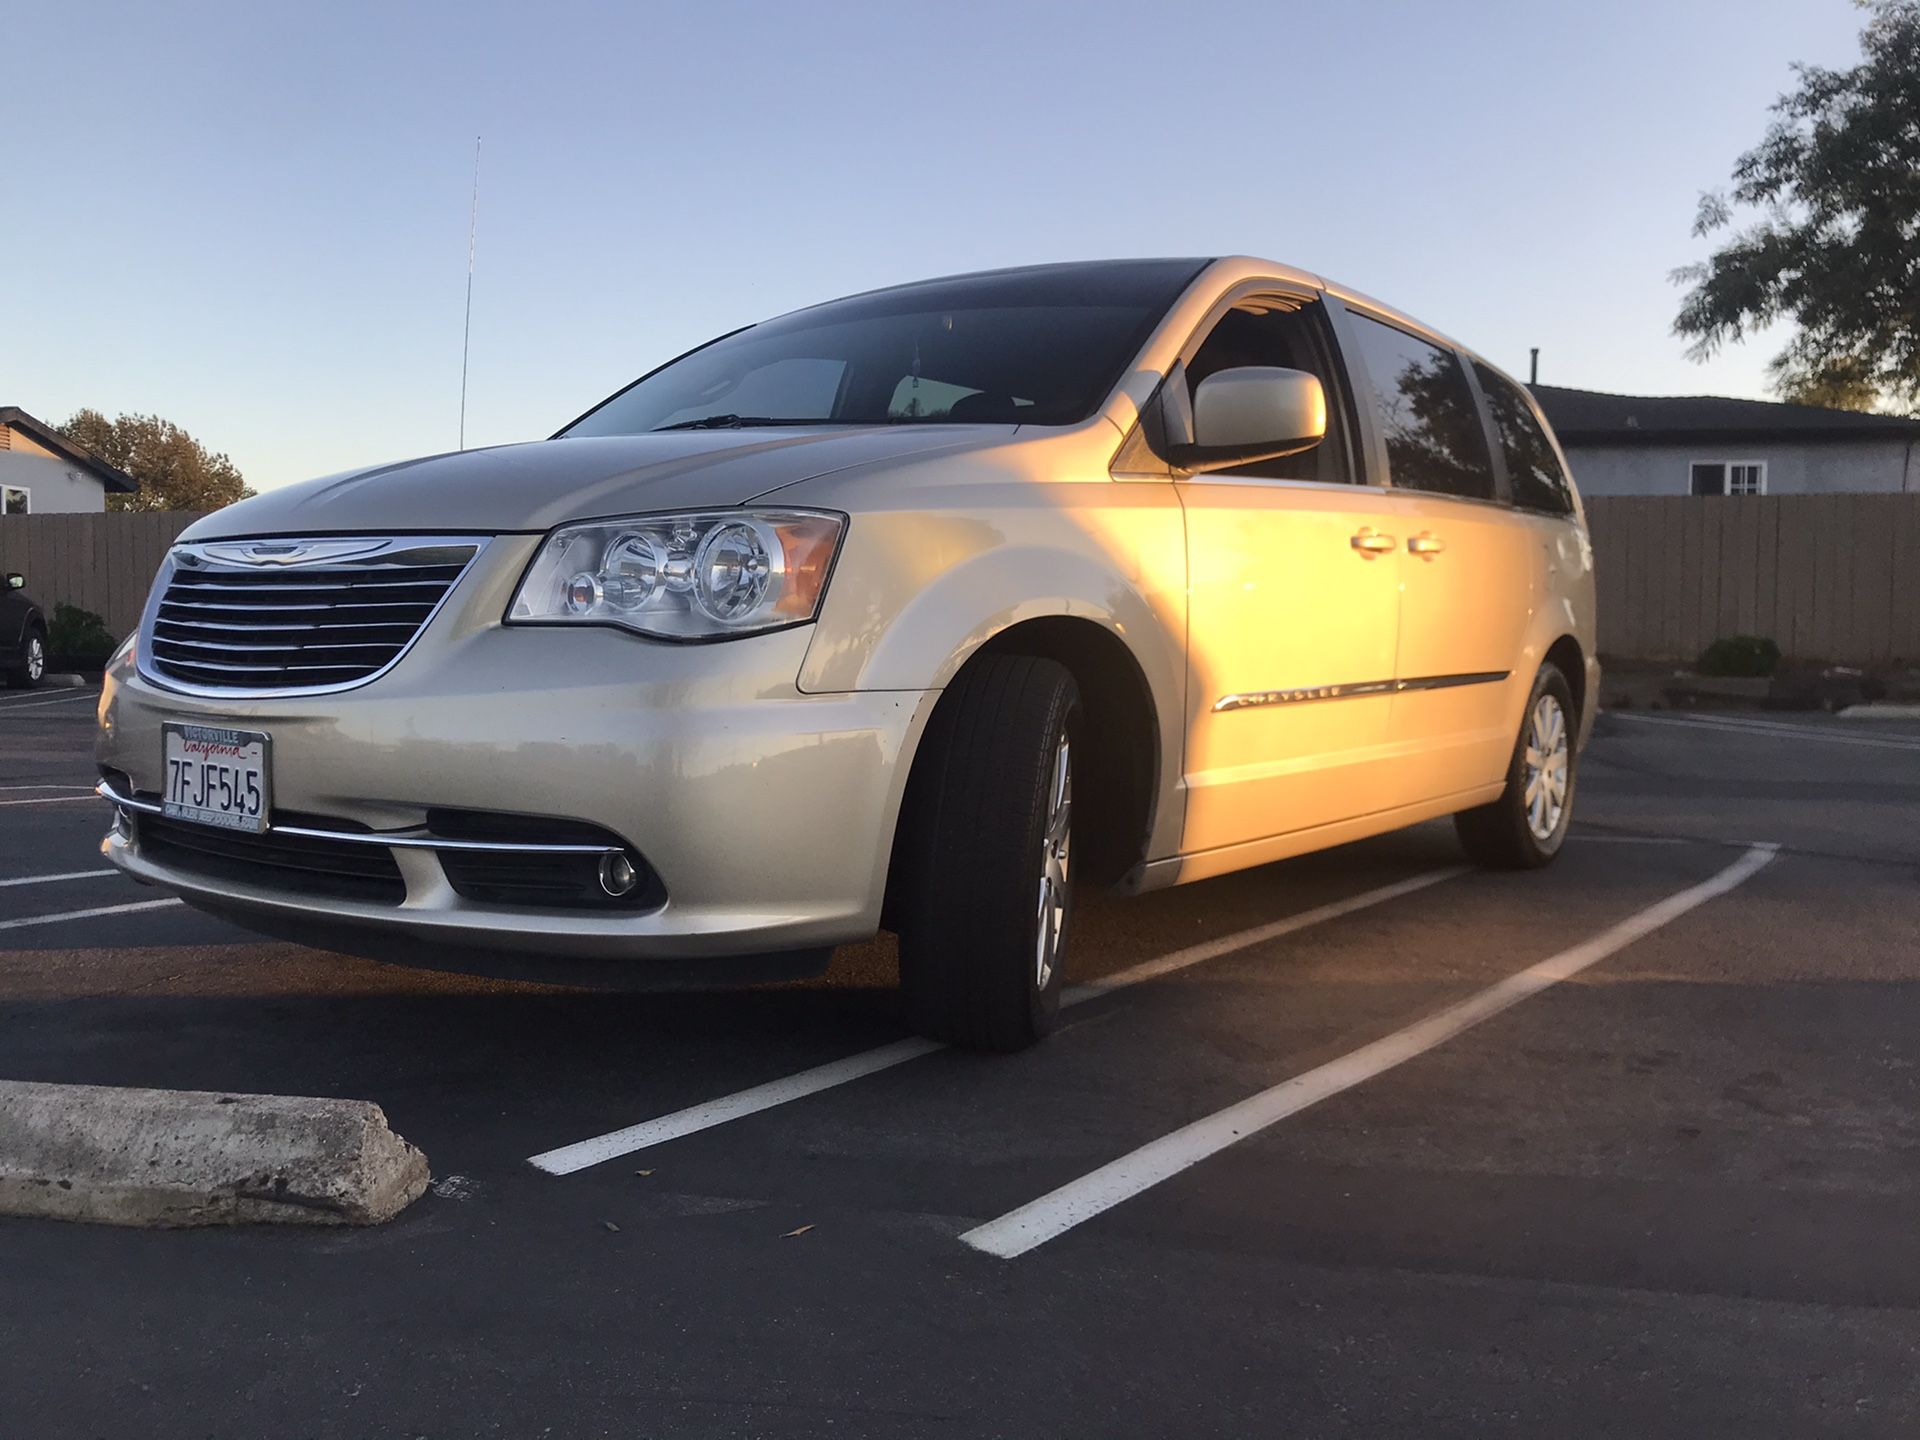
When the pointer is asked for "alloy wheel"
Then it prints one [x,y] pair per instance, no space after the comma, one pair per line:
[1055,854]
[1548,763]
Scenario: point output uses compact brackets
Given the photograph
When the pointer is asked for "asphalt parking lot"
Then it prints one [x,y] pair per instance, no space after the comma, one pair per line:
[1305,1158]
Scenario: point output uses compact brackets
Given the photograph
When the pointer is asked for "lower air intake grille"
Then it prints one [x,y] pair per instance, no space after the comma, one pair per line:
[307,614]
[340,869]
[528,879]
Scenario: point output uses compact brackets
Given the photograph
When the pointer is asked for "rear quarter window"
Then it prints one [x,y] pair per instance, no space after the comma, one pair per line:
[1534,471]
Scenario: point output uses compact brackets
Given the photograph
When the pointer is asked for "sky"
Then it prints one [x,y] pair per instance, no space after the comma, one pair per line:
[252,219]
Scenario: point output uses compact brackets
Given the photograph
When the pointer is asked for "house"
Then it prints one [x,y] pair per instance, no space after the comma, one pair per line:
[44,473]
[1711,445]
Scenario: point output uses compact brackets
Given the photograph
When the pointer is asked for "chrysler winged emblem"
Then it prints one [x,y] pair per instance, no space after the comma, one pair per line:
[287,552]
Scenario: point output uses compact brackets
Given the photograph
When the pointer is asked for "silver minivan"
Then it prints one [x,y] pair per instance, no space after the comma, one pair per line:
[921,610]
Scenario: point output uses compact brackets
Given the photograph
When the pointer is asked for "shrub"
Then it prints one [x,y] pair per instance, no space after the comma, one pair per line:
[1740,655]
[78,634]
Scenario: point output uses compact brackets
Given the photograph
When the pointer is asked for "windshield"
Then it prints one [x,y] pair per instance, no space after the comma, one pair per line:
[1039,347]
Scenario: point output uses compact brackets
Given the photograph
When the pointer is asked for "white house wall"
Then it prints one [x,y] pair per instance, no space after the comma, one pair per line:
[58,488]
[1852,466]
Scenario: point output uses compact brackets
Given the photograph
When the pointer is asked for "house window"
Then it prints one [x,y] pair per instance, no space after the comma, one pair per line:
[1729,477]
[15,500]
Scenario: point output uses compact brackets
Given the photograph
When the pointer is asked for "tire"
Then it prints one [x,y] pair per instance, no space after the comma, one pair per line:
[987,856]
[26,675]
[1521,830]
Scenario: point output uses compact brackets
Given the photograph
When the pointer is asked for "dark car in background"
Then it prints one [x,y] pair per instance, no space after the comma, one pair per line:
[23,635]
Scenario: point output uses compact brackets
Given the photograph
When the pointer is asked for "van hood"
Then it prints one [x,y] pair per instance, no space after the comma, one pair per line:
[535,486]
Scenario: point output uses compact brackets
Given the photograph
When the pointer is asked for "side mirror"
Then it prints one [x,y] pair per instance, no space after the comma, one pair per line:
[16,582]
[1253,412]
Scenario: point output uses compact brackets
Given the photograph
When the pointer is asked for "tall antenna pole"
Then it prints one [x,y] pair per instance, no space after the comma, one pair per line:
[466,333]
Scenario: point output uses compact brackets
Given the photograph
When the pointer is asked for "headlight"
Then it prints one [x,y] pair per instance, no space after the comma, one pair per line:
[683,577]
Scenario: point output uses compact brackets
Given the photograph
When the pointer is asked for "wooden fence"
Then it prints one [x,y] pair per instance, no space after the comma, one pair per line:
[1826,577]
[102,563]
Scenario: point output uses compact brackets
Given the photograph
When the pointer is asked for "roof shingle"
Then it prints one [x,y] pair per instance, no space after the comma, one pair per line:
[1592,417]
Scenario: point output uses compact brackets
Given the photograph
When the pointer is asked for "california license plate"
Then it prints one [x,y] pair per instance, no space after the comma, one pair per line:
[216,776]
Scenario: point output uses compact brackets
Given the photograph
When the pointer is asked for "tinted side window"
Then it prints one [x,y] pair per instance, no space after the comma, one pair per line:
[1534,470]
[1265,331]
[1434,437]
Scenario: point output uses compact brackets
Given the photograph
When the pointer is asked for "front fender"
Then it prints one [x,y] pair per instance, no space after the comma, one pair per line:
[917,594]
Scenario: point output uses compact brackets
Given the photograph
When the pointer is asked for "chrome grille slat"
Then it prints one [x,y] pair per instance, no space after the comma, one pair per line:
[431,587]
[318,628]
[161,641]
[233,617]
[253,607]
[222,668]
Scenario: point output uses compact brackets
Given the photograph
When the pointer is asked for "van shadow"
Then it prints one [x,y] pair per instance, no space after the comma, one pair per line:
[442,1054]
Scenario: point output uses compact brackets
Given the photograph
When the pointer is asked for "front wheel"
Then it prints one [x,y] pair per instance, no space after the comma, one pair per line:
[32,665]
[986,894]
[1525,828]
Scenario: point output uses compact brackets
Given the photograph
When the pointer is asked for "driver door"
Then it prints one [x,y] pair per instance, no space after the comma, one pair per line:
[1294,609]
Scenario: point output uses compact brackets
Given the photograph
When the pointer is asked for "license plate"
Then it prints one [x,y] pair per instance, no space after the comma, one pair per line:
[216,776]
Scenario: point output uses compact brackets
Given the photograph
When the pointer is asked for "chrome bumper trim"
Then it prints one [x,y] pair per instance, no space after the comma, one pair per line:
[412,840]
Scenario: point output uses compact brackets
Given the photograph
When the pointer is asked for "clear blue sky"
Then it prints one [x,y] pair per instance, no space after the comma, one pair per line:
[252,218]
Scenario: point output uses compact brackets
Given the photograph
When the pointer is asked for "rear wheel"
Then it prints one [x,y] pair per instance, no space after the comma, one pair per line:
[986,896]
[32,665]
[1527,825]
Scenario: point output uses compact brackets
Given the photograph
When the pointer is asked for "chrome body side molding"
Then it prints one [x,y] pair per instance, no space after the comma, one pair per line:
[1260,698]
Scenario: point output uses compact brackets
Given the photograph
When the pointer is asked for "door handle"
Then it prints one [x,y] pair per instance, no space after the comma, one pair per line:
[1426,543]
[1370,542]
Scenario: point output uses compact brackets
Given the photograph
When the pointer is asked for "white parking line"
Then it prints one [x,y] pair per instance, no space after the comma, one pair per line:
[1053,1214]
[87,788]
[41,704]
[49,879]
[584,1153]
[578,1156]
[1771,730]
[52,800]
[88,914]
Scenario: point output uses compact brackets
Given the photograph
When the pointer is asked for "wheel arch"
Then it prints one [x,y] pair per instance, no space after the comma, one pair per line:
[1120,771]
[1566,654]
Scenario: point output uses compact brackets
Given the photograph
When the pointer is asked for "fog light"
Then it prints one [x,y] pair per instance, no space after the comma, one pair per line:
[618,874]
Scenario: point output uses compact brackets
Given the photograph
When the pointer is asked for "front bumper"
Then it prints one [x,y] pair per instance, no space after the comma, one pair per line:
[766,813]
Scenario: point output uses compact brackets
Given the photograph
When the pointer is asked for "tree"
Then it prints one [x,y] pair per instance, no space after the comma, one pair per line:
[175,471]
[1843,385]
[1836,245]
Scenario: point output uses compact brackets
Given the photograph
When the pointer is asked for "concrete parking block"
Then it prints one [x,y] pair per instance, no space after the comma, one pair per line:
[192,1157]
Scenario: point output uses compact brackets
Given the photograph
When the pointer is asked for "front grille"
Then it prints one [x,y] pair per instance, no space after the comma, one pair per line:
[230,622]
[339,869]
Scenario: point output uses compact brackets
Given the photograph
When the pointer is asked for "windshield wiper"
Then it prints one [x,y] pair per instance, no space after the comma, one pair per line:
[738,422]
